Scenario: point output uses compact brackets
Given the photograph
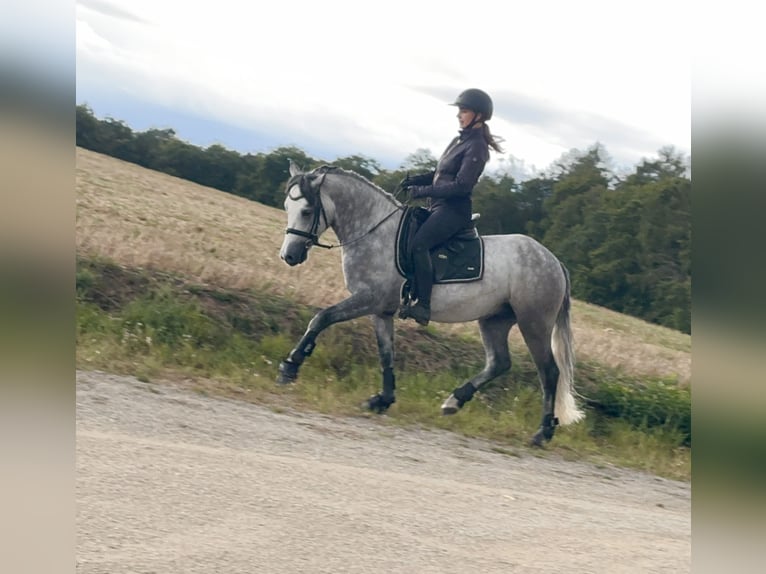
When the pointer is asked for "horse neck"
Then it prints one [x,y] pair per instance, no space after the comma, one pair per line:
[357,206]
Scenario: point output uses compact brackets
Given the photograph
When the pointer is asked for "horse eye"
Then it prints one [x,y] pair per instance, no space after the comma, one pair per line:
[306,211]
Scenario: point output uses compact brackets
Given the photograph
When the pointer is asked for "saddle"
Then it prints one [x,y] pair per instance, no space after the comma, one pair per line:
[460,259]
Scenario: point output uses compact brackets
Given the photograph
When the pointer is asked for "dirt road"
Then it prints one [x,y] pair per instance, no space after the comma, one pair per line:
[172,481]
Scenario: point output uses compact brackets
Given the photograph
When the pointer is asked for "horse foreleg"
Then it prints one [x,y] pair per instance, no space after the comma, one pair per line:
[288,369]
[494,335]
[355,306]
[384,331]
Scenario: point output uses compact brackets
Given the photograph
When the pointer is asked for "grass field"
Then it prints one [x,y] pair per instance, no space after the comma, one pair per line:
[142,218]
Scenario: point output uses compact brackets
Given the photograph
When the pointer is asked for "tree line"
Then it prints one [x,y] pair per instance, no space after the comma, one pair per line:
[625,239]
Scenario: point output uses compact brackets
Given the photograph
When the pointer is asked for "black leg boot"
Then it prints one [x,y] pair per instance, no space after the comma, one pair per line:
[424,279]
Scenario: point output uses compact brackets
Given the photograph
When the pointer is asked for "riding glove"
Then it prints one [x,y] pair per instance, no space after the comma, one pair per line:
[418,179]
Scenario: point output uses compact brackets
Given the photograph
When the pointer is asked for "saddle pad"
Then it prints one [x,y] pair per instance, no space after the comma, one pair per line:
[459,260]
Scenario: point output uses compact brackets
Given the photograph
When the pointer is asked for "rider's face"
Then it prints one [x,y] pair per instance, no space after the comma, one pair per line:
[465,117]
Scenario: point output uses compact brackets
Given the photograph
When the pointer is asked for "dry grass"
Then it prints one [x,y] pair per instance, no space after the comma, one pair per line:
[142,218]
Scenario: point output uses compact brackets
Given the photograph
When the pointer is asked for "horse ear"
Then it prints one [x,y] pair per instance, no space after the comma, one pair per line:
[294,169]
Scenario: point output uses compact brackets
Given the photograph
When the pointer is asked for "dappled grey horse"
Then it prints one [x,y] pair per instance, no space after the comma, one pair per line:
[522,284]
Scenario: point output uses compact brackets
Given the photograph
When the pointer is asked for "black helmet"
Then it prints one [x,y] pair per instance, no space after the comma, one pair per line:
[476,101]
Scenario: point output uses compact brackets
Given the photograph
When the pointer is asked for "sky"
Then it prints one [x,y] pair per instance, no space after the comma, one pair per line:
[338,78]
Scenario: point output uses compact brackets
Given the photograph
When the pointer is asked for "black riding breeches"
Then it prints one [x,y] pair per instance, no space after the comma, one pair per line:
[440,226]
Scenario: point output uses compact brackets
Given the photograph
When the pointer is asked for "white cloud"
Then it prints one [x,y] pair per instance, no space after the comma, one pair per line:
[353,74]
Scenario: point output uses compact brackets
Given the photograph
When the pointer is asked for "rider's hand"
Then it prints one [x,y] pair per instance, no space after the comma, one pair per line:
[418,179]
[408,181]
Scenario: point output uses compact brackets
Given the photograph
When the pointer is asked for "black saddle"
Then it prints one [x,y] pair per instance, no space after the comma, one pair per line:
[458,260]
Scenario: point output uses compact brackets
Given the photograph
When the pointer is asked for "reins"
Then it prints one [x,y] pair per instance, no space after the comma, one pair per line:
[315,197]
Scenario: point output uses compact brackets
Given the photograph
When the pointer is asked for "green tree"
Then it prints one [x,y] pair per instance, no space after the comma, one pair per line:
[87,129]
[670,163]
[150,146]
[116,139]
[498,203]
[665,236]
[574,224]
[531,203]
[614,262]
[419,161]
[362,165]
[220,167]
[247,181]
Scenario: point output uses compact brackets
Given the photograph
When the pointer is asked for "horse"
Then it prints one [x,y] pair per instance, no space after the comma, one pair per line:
[522,284]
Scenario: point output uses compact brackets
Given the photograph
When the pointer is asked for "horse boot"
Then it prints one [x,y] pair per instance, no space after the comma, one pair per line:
[424,280]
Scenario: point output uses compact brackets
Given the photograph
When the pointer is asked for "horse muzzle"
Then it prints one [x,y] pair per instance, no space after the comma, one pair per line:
[294,253]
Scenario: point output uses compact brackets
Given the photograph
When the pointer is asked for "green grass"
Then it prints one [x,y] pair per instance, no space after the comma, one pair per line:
[159,327]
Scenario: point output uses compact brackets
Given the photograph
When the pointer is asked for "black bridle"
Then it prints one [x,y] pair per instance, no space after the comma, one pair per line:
[314,199]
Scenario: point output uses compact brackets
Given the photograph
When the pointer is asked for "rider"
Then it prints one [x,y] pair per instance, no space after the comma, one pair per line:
[449,191]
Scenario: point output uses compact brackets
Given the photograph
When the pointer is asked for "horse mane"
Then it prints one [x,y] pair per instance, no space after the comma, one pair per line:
[334,169]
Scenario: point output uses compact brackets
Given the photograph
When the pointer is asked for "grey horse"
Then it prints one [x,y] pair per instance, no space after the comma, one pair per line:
[523,284]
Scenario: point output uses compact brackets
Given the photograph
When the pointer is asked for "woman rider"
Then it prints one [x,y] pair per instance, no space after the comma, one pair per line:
[449,191]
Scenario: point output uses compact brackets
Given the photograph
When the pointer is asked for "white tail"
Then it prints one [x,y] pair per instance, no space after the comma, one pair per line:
[565,409]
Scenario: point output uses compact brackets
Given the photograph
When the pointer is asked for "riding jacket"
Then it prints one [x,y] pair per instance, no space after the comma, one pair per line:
[457,172]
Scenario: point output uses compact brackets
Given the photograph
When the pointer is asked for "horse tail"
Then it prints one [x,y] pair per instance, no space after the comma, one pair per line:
[562,345]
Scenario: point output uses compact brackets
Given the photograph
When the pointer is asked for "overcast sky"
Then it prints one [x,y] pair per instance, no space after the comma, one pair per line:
[338,78]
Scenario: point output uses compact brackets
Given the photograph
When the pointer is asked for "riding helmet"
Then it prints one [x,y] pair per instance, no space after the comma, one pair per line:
[477,101]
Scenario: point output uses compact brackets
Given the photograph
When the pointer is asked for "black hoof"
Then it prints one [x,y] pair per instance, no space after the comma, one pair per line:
[288,373]
[379,404]
[545,433]
[538,441]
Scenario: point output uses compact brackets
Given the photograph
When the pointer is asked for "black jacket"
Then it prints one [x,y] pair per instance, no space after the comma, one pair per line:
[457,172]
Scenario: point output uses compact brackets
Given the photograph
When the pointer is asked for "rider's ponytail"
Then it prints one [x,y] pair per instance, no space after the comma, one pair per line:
[492,141]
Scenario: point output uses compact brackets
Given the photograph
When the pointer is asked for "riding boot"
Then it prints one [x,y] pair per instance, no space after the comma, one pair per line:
[424,280]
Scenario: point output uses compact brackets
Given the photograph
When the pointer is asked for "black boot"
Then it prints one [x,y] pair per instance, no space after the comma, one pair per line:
[424,280]
[421,312]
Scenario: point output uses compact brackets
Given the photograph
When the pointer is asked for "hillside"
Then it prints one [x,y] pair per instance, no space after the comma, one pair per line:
[141,218]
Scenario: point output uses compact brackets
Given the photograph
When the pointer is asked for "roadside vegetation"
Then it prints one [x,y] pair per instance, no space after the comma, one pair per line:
[160,327]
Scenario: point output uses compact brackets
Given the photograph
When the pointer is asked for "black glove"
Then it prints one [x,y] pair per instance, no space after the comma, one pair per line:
[418,179]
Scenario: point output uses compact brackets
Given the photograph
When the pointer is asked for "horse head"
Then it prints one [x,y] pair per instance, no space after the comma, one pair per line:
[306,214]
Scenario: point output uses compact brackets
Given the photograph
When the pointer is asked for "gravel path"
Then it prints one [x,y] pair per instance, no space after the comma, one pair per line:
[172,481]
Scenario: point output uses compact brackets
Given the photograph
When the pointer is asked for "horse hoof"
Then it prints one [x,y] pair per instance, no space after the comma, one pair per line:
[541,437]
[379,404]
[283,380]
[450,406]
[537,441]
[288,373]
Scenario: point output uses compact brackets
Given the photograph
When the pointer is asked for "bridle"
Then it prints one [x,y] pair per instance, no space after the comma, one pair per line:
[314,199]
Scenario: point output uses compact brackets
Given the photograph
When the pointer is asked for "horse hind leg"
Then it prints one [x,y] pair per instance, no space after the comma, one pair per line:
[552,349]
[549,375]
[494,335]
[548,372]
